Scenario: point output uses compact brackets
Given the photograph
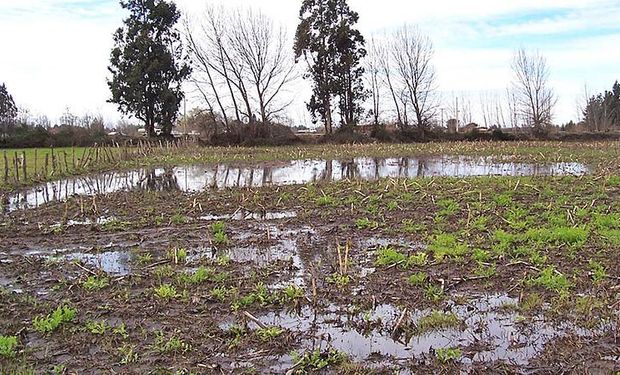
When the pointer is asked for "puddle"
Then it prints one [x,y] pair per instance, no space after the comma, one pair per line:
[247,215]
[116,263]
[496,333]
[196,178]
[10,286]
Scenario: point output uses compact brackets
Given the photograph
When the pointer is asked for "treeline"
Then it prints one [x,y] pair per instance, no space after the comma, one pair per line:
[602,111]
[245,71]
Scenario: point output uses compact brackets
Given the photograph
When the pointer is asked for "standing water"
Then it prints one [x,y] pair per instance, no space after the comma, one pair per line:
[196,178]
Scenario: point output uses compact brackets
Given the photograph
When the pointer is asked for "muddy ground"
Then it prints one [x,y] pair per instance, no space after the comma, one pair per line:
[436,275]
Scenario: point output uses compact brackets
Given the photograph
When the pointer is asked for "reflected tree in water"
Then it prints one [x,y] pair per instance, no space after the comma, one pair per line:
[166,181]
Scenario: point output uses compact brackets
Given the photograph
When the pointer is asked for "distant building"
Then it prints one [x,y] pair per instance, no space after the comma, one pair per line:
[453,125]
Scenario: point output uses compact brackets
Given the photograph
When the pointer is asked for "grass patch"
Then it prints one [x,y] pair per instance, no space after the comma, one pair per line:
[436,321]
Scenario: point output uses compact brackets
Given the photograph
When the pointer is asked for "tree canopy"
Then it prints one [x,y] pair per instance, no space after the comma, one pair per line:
[148,65]
[8,109]
[333,48]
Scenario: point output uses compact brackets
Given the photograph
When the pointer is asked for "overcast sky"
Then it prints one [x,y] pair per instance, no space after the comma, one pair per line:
[55,52]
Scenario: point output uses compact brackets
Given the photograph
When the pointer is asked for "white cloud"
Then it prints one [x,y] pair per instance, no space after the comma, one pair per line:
[56,53]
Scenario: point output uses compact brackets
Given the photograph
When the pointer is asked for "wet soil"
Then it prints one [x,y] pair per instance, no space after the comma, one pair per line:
[298,273]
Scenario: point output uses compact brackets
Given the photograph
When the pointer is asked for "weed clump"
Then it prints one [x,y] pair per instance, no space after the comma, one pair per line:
[551,280]
[94,283]
[435,321]
[8,344]
[49,323]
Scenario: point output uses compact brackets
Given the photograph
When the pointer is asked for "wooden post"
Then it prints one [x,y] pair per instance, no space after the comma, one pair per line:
[36,164]
[6,167]
[53,162]
[24,166]
[47,163]
[16,166]
[66,164]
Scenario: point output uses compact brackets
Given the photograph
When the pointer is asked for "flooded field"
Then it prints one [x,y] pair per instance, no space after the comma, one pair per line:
[197,178]
[466,268]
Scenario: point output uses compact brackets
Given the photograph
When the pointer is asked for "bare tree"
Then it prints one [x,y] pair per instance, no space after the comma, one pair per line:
[241,63]
[534,97]
[412,54]
[267,64]
[372,68]
[386,68]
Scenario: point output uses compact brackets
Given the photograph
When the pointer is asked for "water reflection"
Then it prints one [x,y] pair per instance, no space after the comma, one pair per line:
[197,178]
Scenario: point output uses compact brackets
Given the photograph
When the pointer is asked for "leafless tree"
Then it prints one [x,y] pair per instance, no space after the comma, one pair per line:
[512,104]
[387,71]
[372,68]
[241,63]
[534,97]
[412,54]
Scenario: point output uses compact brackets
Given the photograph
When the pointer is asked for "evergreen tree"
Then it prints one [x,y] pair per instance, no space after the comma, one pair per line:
[8,109]
[603,110]
[147,64]
[333,49]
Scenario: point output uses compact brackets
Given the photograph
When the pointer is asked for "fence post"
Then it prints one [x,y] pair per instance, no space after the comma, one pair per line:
[47,163]
[53,162]
[64,153]
[36,164]
[16,165]
[6,167]
[24,166]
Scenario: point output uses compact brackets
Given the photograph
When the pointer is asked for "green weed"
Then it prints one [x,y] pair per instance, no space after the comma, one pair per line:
[94,283]
[418,279]
[269,333]
[292,293]
[598,272]
[365,223]
[201,275]
[551,280]
[435,321]
[173,344]
[128,354]
[177,256]
[8,346]
[388,256]
[49,323]
[97,328]
[445,355]
[316,360]
[447,246]
[166,292]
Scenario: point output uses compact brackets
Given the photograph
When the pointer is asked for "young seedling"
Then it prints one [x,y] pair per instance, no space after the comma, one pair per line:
[552,280]
[8,346]
[316,360]
[177,256]
[436,321]
[94,283]
[49,323]
[97,328]
[218,230]
[292,293]
[418,279]
[166,292]
[128,354]
[269,333]
[445,355]
[341,278]
[174,344]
